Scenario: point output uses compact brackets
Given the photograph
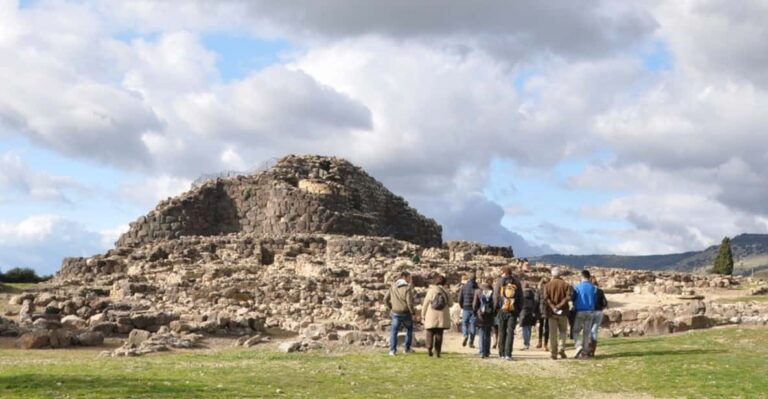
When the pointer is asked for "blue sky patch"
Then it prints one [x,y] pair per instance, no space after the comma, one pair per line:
[239,56]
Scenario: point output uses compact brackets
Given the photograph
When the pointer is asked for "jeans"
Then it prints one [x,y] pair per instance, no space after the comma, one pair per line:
[596,321]
[468,322]
[401,320]
[582,330]
[485,340]
[527,336]
[507,324]
[558,330]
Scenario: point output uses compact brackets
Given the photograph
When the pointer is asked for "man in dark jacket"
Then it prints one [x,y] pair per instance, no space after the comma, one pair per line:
[557,294]
[508,298]
[466,299]
[600,305]
[528,316]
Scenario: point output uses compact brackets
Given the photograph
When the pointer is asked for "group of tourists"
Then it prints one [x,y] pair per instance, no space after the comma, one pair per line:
[492,309]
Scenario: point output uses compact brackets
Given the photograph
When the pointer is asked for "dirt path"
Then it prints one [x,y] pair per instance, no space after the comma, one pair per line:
[452,344]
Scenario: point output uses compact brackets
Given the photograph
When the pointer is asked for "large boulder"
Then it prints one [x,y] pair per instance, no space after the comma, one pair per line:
[656,324]
[136,337]
[89,338]
[34,340]
[44,298]
[685,323]
[60,338]
[73,322]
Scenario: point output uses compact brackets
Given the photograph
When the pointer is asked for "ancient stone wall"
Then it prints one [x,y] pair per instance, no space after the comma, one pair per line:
[308,194]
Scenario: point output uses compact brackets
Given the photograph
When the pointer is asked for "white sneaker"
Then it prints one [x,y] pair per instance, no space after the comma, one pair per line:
[392,353]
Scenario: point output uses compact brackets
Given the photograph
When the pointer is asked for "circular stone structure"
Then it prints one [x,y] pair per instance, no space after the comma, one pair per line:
[300,194]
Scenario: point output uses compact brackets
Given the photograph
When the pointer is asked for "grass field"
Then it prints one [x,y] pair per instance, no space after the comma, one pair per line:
[729,362]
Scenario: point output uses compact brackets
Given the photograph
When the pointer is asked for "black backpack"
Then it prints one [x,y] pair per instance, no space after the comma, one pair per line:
[439,301]
[486,303]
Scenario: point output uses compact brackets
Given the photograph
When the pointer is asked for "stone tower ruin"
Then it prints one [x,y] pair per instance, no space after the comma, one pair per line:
[300,194]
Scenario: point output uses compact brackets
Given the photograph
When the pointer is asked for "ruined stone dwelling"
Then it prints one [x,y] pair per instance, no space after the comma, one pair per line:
[306,247]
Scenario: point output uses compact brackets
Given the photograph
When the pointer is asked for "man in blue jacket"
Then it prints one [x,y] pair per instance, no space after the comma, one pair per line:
[584,300]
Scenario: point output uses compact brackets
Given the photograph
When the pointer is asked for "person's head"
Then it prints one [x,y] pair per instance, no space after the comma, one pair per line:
[585,275]
[439,280]
[526,285]
[506,271]
[471,276]
[404,275]
[555,272]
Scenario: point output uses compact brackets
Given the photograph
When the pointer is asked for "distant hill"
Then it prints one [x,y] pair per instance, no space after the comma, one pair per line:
[749,251]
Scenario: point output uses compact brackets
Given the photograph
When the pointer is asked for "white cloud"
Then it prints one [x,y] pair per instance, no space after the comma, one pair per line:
[24,184]
[423,97]
[150,191]
[110,236]
[42,241]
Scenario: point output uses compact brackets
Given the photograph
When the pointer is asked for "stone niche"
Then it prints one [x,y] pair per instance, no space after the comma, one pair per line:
[300,194]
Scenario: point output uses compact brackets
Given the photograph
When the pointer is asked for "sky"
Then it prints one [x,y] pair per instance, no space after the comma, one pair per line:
[554,127]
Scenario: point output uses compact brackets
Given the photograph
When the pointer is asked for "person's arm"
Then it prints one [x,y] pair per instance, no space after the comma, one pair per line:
[603,299]
[450,300]
[461,295]
[475,302]
[409,301]
[519,298]
[425,305]
[388,299]
[567,297]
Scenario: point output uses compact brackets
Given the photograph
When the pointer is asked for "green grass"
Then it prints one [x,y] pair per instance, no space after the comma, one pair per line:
[16,288]
[715,363]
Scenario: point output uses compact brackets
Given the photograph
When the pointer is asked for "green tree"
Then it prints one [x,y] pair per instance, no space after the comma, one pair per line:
[724,259]
[21,275]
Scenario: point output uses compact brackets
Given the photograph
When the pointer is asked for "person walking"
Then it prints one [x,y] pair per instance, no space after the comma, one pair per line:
[508,297]
[584,300]
[601,303]
[528,314]
[400,301]
[485,313]
[436,315]
[466,299]
[557,293]
[542,319]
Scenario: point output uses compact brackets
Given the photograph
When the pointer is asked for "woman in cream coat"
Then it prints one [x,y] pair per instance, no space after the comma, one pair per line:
[436,321]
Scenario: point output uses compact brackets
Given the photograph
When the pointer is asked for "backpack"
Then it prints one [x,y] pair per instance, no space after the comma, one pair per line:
[439,301]
[507,296]
[486,303]
[530,301]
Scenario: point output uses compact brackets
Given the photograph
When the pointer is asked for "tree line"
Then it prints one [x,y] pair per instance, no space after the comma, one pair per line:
[22,275]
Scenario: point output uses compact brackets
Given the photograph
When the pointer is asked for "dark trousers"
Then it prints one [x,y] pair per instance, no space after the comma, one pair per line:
[435,339]
[485,339]
[507,324]
[544,331]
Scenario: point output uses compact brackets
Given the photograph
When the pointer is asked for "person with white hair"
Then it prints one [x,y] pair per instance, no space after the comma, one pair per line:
[557,293]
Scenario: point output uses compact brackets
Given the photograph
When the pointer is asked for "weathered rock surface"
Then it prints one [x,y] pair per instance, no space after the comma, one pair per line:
[300,194]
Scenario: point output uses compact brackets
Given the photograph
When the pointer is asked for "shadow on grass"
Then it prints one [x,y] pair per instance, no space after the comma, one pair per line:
[679,352]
